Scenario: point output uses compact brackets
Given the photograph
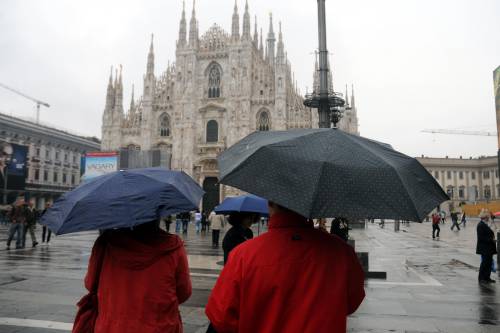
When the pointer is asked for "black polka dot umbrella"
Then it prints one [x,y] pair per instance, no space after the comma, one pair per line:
[330,173]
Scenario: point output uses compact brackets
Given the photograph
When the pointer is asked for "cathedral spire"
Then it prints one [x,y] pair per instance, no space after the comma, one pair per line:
[193,28]
[346,97]
[183,27]
[132,102]
[271,40]
[261,45]
[151,59]
[255,34]
[235,29]
[110,95]
[246,24]
[353,105]
[281,48]
[119,92]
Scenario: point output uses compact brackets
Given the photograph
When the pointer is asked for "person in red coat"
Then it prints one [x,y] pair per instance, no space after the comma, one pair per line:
[143,280]
[293,278]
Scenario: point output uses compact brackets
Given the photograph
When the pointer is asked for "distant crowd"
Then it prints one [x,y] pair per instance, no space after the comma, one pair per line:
[22,218]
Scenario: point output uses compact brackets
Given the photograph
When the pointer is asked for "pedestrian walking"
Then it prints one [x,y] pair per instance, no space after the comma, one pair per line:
[217,223]
[443,217]
[381,223]
[204,222]
[197,221]
[281,281]
[464,219]
[31,219]
[340,228]
[45,230]
[17,223]
[436,218]
[178,223]
[129,266]
[239,232]
[485,247]
[454,220]
[168,221]
[185,217]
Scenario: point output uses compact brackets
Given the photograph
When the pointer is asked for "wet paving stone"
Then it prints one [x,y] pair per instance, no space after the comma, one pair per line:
[431,285]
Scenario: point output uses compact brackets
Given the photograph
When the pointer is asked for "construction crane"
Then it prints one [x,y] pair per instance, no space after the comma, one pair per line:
[38,102]
[459,132]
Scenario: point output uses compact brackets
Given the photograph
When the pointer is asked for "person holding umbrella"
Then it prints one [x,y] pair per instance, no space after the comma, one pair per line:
[295,278]
[281,281]
[239,232]
[138,274]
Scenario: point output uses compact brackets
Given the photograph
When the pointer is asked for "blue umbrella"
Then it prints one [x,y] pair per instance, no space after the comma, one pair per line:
[244,203]
[123,199]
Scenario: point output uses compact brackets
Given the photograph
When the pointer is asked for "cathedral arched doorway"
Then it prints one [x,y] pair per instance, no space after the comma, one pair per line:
[212,194]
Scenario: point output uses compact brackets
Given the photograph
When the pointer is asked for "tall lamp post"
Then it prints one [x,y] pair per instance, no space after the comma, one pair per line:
[327,102]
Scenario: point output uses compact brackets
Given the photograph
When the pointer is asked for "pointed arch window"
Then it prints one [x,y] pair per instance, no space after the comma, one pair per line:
[214,81]
[164,124]
[212,131]
[263,121]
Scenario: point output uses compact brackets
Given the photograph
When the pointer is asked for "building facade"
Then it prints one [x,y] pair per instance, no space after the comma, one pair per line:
[466,180]
[221,87]
[53,158]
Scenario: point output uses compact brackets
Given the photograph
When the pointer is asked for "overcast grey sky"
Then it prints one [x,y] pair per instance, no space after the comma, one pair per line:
[415,64]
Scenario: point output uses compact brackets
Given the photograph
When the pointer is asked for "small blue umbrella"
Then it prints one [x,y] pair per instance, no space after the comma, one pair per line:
[123,199]
[244,203]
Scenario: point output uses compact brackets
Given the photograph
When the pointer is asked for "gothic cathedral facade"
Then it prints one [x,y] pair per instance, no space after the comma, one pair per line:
[222,87]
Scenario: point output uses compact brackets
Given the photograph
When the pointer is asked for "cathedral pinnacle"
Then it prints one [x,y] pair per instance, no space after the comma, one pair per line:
[261,45]
[182,27]
[353,105]
[246,24]
[346,97]
[271,40]
[281,48]
[132,102]
[110,95]
[151,59]
[256,34]
[235,30]
[193,28]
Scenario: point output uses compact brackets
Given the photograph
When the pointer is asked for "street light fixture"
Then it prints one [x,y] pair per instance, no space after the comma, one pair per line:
[328,103]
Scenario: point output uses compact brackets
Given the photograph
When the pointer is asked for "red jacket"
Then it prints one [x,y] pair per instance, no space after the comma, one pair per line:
[293,278]
[141,284]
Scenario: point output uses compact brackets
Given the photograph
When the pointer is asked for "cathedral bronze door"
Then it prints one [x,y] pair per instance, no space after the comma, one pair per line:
[212,194]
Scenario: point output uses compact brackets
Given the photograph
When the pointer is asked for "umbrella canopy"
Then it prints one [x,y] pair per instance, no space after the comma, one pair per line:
[123,199]
[330,173]
[243,204]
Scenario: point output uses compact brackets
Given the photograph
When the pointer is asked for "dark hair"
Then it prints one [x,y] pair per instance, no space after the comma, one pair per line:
[238,217]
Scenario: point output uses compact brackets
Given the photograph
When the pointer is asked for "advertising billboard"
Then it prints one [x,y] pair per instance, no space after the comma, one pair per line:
[100,163]
[496,87]
[13,159]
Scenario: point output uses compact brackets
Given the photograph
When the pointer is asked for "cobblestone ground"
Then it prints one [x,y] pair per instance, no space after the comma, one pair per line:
[431,285]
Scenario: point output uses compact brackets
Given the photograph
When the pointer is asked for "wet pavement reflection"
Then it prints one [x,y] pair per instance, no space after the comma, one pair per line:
[431,285]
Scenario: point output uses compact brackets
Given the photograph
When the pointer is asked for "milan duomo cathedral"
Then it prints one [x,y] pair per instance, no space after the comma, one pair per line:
[221,88]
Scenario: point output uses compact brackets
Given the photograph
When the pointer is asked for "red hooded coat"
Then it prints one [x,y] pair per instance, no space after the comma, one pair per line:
[293,278]
[142,282]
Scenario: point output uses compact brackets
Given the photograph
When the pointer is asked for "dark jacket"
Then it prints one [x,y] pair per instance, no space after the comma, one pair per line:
[234,237]
[485,239]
